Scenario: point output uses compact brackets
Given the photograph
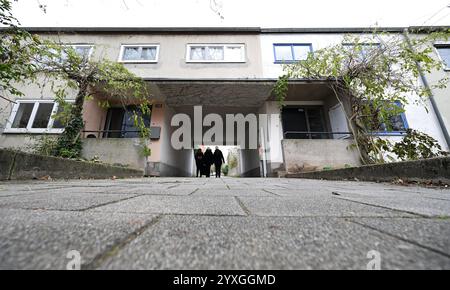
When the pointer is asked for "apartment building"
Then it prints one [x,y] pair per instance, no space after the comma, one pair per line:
[225,71]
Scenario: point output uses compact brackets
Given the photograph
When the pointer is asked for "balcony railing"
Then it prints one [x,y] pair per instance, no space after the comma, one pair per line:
[329,135]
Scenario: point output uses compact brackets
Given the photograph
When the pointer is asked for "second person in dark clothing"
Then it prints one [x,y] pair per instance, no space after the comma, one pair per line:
[208,160]
[218,161]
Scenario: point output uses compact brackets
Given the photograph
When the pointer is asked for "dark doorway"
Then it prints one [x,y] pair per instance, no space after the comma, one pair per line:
[303,123]
[120,122]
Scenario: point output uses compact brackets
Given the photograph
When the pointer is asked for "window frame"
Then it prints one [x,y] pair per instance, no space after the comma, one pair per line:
[395,133]
[224,45]
[438,45]
[75,45]
[140,45]
[29,129]
[323,121]
[121,133]
[292,45]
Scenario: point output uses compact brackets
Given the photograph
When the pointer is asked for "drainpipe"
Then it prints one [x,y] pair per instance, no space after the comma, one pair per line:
[432,100]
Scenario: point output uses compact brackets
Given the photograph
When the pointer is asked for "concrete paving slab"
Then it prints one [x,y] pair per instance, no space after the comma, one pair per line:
[407,203]
[313,206]
[41,239]
[153,204]
[192,242]
[61,201]
[431,233]
[158,191]
[226,223]
[232,192]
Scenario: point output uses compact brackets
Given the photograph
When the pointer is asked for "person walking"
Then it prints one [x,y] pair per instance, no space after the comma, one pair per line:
[198,156]
[208,160]
[218,161]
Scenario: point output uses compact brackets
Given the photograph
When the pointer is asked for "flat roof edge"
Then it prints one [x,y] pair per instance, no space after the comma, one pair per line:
[226,29]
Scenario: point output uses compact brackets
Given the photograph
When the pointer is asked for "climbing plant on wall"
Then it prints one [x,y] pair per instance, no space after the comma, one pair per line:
[374,76]
[65,70]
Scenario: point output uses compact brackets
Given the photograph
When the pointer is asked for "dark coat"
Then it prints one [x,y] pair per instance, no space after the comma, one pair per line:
[208,158]
[198,157]
[218,157]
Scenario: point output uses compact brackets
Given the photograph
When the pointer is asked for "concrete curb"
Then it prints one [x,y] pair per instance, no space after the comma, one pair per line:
[436,170]
[15,165]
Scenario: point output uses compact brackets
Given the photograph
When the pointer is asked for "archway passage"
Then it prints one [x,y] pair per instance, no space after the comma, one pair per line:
[232,166]
[247,157]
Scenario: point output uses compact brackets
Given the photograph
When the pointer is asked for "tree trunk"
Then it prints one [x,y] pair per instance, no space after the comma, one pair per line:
[69,143]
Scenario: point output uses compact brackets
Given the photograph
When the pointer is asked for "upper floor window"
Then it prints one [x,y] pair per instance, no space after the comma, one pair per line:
[444,53]
[34,116]
[291,52]
[362,50]
[83,50]
[139,53]
[61,57]
[215,53]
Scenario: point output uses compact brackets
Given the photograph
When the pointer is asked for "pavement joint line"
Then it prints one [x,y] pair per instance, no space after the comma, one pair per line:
[268,191]
[402,239]
[242,205]
[109,203]
[175,214]
[69,210]
[114,249]
[231,215]
[435,198]
[383,207]
[197,189]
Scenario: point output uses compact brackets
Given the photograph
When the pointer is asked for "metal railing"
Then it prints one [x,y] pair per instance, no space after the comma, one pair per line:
[105,133]
[327,135]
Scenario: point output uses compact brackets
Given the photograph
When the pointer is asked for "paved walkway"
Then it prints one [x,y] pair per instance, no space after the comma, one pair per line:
[168,223]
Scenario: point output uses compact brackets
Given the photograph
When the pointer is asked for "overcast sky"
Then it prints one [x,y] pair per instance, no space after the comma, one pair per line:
[260,13]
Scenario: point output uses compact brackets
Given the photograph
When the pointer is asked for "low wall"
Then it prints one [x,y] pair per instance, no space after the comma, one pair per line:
[115,151]
[436,170]
[303,155]
[16,165]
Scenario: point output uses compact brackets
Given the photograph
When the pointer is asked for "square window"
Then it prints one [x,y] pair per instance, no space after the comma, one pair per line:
[444,53]
[43,115]
[23,115]
[301,52]
[35,117]
[283,53]
[215,53]
[83,50]
[131,53]
[139,53]
[291,52]
[148,53]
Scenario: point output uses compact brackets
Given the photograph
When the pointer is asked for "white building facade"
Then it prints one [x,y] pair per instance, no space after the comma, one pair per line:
[225,71]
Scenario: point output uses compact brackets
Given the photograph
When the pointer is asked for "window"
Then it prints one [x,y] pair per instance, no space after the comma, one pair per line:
[139,53]
[285,53]
[84,50]
[120,122]
[396,124]
[303,123]
[215,53]
[34,117]
[444,53]
[364,48]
